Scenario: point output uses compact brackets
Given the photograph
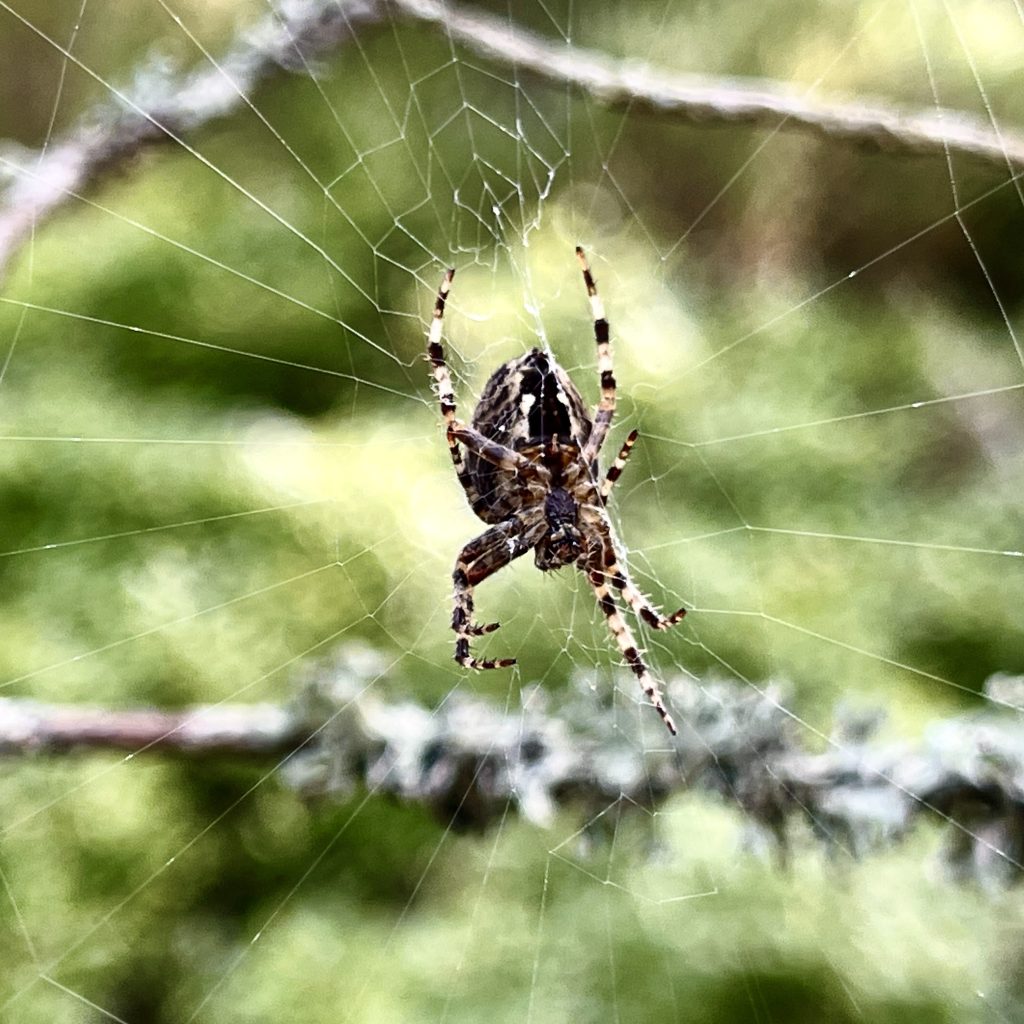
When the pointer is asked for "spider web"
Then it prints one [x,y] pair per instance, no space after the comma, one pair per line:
[222,461]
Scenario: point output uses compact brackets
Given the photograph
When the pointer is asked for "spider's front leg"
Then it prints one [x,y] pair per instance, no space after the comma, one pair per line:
[615,573]
[483,557]
[602,560]
[627,644]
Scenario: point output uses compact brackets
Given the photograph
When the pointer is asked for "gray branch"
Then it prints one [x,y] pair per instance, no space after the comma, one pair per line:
[165,105]
[709,100]
[469,760]
[28,727]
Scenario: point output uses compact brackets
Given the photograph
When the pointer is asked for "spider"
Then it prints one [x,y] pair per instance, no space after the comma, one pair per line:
[530,471]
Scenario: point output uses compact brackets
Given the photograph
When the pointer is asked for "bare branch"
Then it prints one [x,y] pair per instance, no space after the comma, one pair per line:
[304,30]
[469,761]
[707,100]
[163,105]
[28,727]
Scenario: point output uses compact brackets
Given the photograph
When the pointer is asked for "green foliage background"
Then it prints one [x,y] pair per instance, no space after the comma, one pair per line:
[319,510]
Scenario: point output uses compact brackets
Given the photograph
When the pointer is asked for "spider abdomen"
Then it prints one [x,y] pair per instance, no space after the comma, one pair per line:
[527,403]
[529,400]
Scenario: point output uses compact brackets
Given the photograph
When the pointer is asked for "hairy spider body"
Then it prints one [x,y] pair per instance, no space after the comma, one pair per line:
[528,462]
[526,404]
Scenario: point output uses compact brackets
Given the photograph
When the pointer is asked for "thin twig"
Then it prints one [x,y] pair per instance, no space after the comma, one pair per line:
[29,727]
[176,104]
[711,100]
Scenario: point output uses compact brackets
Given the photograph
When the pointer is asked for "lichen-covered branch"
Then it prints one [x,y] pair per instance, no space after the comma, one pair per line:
[469,760]
[163,105]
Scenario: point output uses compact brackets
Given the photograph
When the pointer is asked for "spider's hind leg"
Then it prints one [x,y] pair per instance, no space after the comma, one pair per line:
[442,375]
[602,337]
[456,431]
[616,468]
[446,393]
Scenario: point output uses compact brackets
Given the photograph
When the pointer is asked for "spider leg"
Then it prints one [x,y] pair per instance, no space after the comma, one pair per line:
[606,407]
[480,558]
[603,560]
[640,603]
[615,469]
[455,430]
[500,455]
[615,573]
[627,644]
[446,394]
[442,376]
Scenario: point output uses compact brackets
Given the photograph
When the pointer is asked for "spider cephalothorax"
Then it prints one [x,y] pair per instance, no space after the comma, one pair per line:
[562,544]
[529,468]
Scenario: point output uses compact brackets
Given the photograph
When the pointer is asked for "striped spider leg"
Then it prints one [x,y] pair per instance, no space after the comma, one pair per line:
[495,548]
[604,568]
[480,558]
[616,468]
[604,572]
[602,336]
